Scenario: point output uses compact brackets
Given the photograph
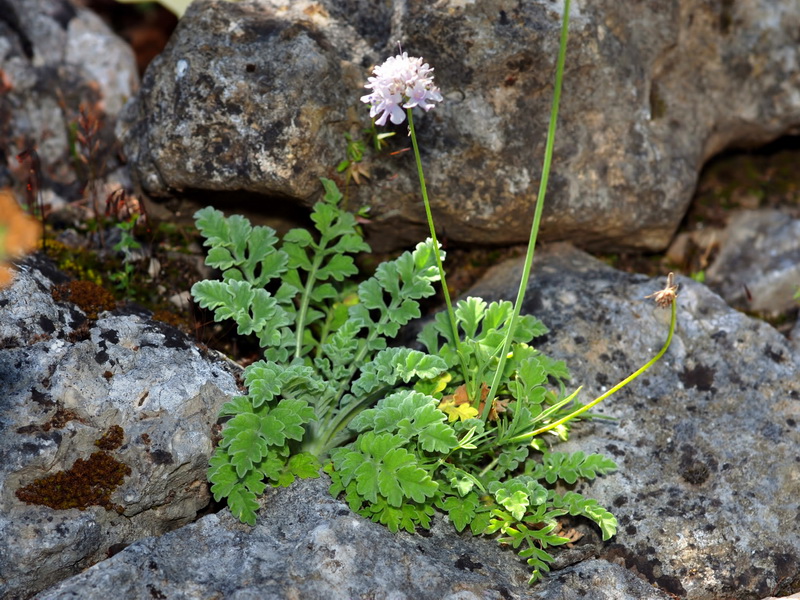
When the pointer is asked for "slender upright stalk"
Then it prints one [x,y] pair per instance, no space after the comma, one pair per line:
[613,390]
[537,216]
[429,215]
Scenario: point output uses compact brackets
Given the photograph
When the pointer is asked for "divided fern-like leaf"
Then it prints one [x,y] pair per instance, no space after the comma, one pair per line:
[518,494]
[252,444]
[303,465]
[481,323]
[393,292]
[577,505]
[380,466]
[414,416]
[253,309]
[569,467]
[240,251]
[244,443]
[533,533]
[339,350]
[408,516]
[241,492]
[511,458]
[394,364]
[461,510]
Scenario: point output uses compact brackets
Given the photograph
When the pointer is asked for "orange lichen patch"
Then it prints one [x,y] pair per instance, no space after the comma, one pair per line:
[88,483]
[19,234]
[90,297]
[111,439]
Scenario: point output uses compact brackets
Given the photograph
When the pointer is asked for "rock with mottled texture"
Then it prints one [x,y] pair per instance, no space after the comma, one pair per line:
[243,99]
[706,492]
[252,100]
[758,265]
[308,546]
[707,441]
[106,431]
[57,59]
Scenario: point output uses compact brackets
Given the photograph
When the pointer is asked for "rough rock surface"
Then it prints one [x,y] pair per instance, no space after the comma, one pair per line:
[760,250]
[707,442]
[306,545]
[65,386]
[240,109]
[56,58]
[706,494]
[255,97]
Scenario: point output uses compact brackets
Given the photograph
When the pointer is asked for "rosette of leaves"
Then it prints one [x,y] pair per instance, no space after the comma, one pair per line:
[406,432]
[324,341]
[417,451]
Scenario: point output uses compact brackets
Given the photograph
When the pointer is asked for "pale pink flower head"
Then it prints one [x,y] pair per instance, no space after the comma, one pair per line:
[399,83]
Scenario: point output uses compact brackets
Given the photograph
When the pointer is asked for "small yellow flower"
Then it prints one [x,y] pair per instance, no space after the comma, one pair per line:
[458,406]
[457,411]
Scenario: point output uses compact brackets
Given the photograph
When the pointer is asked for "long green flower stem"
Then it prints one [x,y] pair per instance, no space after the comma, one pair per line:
[613,390]
[537,216]
[429,215]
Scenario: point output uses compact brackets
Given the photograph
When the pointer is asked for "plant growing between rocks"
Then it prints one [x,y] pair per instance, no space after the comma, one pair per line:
[401,432]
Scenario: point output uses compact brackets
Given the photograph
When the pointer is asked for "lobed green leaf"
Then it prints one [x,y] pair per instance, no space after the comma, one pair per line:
[518,495]
[394,364]
[461,511]
[246,446]
[242,252]
[409,516]
[412,415]
[241,491]
[586,507]
[569,467]
[382,468]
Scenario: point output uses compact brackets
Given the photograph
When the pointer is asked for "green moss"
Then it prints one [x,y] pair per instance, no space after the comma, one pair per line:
[89,482]
[77,262]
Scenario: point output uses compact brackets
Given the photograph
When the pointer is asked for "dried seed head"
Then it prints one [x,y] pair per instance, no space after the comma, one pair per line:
[664,298]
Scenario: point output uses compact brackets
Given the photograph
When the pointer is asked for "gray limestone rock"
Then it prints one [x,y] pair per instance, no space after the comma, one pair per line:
[64,388]
[759,255]
[707,441]
[308,546]
[243,99]
[706,493]
[252,100]
[56,59]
